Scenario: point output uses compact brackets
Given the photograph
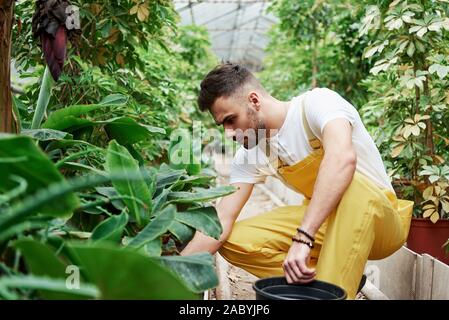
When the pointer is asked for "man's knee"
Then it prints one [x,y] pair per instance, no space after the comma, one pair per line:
[241,242]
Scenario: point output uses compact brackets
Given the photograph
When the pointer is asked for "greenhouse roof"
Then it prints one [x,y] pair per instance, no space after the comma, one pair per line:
[237,28]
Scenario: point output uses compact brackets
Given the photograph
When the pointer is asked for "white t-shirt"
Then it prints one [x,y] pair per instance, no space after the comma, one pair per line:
[321,105]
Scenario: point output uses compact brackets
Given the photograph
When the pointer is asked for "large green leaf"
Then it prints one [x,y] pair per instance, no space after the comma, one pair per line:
[57,286]
[19,211]
[19,228]
[187,182]
[136,154]
[181,231]
[160,201]
[127,274]
[167,176]
[127,131]
[153,248]
[42,261]
[115,99]
[46,134]
[197,270]
[70,117]
[111,193]
[15,192]
[201,194]
[111,229]
[118,160]
[43,98]
[20,156]
[199,180]
[155,228]
[203,219]
[150,178]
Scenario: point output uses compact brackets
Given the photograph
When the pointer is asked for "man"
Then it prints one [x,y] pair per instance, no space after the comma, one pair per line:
[317,145]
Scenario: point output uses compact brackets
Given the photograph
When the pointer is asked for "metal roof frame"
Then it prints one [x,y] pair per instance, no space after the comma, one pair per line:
[237,28]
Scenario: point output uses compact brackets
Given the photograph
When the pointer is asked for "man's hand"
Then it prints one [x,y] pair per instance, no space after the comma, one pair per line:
[295,265]
[335,174]
[228,210]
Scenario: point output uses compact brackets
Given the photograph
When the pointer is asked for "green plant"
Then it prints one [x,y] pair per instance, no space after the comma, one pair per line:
[436,197]
[150,59]
[406,109]
[319,47]
[154,225]
[86,184]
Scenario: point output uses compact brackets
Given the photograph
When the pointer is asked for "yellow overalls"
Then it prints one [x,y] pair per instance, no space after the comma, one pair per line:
[368,223]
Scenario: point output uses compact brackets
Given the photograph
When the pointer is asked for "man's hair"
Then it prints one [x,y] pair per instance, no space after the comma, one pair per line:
[223,81]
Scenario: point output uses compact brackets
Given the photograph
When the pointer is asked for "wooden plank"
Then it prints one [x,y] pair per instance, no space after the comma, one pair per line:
[424,275]
[223,290]
[396,274]
[371,292]
[440,281]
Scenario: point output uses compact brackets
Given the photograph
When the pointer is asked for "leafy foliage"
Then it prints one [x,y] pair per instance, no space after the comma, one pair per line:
[389,58]
[408,97]
[87,183]
[311,49]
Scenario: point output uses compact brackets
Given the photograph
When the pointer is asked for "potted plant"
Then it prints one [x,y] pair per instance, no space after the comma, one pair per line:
[429,232]
[407,110]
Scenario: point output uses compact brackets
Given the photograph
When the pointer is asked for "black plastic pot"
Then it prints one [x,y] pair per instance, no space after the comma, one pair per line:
[277,288]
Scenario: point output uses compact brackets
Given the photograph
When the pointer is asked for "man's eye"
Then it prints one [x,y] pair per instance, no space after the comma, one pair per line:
[230,120]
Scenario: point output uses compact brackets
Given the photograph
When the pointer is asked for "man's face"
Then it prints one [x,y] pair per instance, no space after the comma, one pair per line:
[240,118]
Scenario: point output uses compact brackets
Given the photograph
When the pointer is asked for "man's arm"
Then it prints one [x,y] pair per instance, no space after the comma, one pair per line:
[336,171]
[335,174]
[228,210]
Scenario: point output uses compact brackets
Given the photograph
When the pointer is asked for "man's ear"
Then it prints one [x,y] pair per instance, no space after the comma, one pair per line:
[254,100]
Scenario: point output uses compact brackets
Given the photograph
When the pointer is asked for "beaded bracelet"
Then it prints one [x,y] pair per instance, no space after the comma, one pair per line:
[306,234]
[297,239]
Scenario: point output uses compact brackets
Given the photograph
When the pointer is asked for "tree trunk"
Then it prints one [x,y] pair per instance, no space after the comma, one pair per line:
[6,113]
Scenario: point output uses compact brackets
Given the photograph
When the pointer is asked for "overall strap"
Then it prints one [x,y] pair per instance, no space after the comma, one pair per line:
[314,142]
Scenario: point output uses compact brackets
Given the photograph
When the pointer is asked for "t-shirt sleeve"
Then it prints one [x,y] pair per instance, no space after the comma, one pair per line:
[323,105]
[243,170]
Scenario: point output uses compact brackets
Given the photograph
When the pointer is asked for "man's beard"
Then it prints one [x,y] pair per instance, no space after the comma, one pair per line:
[256,130]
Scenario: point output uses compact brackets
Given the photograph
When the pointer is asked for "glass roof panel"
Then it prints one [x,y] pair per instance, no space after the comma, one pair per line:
[238,28]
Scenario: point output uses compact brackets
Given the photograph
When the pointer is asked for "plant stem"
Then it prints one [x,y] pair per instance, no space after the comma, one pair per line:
[43,99]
